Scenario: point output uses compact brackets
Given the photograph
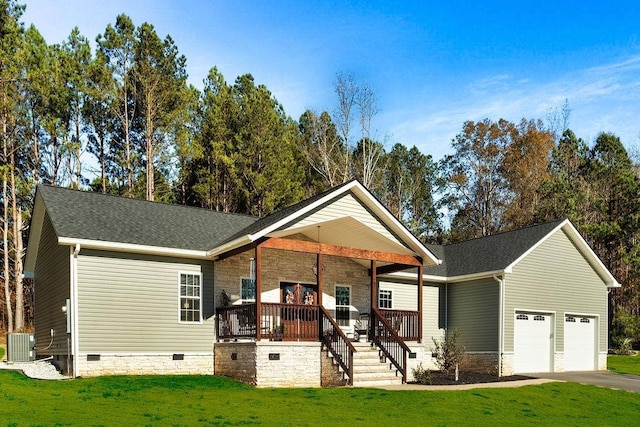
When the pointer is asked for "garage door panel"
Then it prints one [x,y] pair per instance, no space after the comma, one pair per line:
[532,342]
[579,343]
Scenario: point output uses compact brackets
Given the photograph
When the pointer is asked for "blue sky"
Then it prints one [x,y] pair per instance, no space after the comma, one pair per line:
[432,64]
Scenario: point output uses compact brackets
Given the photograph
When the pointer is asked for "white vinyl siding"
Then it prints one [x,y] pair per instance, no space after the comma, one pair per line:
[349,206]
[432,313]
[127,304]
[555,277]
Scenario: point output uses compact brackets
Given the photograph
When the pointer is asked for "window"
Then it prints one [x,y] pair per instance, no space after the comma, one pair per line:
[570,319]
[522,317]
[385,298]
[248,290]
[538,318]
[190,297]
[584,320]
[343,303]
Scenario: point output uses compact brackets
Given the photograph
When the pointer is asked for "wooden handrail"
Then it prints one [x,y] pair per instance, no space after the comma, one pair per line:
[393,347]
[337,343]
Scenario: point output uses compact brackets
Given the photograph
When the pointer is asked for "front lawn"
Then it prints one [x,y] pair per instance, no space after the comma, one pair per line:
[204,400]
[624,364]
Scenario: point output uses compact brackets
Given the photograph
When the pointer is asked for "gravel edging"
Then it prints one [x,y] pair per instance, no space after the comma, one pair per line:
[40,369]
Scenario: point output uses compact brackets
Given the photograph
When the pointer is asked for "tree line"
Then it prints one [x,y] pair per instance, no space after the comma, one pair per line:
[122,119]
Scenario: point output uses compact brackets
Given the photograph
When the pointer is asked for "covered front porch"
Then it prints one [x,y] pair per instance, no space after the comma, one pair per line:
[308,278]
[338,306]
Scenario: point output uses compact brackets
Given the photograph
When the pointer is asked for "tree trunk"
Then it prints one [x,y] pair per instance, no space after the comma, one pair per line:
[5,240]
[150,154]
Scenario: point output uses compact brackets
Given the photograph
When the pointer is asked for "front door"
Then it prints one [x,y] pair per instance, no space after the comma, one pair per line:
[300,314]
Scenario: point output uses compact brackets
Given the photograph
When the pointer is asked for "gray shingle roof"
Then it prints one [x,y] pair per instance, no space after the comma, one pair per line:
[94,216]
[489,253]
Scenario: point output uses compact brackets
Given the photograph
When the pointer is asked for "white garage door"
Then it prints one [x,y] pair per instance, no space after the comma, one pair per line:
[579,343]
[532,343]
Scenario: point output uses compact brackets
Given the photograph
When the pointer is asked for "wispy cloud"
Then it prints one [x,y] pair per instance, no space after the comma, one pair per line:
[602,98]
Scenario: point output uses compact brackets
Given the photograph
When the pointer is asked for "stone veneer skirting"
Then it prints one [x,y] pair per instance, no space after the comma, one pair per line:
[270,364]
[93,365]
[485,363]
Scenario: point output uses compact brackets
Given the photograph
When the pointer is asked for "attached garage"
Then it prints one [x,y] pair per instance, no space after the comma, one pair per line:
[580,343]
[532,342]
[530,300]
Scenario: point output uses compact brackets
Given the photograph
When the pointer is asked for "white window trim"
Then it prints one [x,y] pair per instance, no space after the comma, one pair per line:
[386,290]
[242,300]
[335,295]
[192,322]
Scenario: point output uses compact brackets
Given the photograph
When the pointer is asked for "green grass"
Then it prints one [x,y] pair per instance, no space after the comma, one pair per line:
[624,364]
[204,400]
[1,352]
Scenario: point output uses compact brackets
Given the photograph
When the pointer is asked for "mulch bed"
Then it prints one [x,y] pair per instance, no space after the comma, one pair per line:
[442,378]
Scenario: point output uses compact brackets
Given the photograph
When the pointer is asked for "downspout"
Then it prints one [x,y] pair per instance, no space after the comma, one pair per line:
[500,322]
[74,308]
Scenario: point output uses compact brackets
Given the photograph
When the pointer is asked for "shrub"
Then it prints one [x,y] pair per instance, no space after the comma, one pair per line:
[421,375]
[448,351]
[625,330]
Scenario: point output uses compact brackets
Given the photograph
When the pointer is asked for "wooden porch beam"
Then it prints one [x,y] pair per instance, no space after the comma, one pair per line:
[374,298]
[258,284]
[341,251]
[319,268]
[392,268]
[239,250]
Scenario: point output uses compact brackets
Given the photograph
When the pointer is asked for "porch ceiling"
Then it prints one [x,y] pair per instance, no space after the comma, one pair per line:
[347,232]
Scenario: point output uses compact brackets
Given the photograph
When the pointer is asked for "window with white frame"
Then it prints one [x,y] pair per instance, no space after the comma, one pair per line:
[385,298]
[343,305]
[248,290]
[190,297]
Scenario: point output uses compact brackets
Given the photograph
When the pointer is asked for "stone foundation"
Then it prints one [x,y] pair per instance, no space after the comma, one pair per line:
[330,372]
[270,364]
[423,357]
[507,365]
[483,363]
[93,365]
[236,360]
[602,361]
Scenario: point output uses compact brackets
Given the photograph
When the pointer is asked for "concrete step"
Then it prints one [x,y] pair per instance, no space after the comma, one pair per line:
[372,381]
[370,368]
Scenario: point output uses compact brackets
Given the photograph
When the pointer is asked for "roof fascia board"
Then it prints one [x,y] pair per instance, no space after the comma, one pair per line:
[35,232]
[237,243]
[362,193]
[132,248]
[444,279]
[250,238]
[381,210]
[509,268]
[303,211]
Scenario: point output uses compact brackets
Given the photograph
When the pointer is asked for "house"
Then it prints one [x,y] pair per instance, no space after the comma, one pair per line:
[312,295]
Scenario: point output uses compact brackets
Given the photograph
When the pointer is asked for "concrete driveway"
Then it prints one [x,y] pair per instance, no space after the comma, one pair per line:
[600,378]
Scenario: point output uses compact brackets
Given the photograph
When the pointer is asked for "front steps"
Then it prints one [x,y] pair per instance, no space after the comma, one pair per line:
[370,369]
